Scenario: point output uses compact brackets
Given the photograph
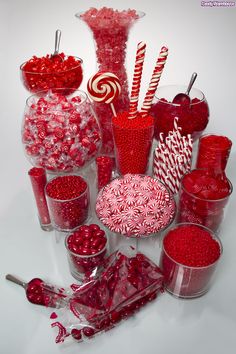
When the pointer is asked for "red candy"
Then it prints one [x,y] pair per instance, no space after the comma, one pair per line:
[133,141]
[38,181]
[127,283]
[188,260]
[68,201]
[203,197]
[86,249]
[213,152]
[51,72]
[60,133]
[110,30]
[104,170]
[193,119]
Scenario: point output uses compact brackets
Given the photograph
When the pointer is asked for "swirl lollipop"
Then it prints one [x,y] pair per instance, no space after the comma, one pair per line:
[104,87]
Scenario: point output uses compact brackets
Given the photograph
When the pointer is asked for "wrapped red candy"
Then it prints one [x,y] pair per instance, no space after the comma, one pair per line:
[86,250]
[128,282]
[40,293]
[192,118]
[203,198]
[133,140]
[50,72]
[213,152]
[189,257]
[60,134]
[68,201]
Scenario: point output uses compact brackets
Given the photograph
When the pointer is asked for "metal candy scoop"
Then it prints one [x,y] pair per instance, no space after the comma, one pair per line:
[183,98]
[57,44]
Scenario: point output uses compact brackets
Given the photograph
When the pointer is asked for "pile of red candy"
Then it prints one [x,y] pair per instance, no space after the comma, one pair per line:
[50,72]
[128,282]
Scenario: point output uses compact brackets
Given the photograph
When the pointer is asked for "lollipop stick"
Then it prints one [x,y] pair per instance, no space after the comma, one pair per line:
[113,109]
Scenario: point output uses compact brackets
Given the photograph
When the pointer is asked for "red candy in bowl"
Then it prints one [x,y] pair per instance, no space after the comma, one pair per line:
[192,118]
[49,72]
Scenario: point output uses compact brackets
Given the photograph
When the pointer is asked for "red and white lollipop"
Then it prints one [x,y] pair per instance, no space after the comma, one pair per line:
[104,87]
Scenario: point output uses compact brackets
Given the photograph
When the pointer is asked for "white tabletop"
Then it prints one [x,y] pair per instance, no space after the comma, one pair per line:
[200,39]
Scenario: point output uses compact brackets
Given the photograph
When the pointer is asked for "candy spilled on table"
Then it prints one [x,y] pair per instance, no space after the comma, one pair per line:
[133,130]
[172,158]
[128,281]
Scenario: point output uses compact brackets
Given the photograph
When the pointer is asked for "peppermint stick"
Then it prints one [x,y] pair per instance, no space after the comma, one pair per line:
[156,75]
[138,69]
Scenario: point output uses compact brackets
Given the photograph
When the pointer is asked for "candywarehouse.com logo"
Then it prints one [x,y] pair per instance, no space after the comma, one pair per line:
[218,3]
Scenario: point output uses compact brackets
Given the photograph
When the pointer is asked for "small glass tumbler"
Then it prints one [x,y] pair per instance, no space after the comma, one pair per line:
[202,210]
[104,170]
[133,140]
[82,265]
[67,214]
[213,152]
[187,281]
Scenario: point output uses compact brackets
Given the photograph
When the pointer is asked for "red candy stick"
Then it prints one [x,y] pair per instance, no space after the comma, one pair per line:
[156,75]
[38,181]
[104,170]
[213,152]
[40,293]
[138,69]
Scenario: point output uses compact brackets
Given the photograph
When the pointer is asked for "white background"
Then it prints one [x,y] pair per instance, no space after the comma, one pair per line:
[200,39]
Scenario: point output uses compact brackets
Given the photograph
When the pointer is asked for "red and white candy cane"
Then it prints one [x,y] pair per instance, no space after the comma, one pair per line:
[156,75]
[104,87]
[138,69]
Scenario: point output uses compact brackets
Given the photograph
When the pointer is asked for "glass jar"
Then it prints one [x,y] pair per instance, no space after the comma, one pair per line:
[189,281]
[110,29]
[192,118]
[60,133]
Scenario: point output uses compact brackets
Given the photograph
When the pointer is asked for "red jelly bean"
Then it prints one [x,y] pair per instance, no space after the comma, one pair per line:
[133,140]
[50,72]
[203,198]
[188,259]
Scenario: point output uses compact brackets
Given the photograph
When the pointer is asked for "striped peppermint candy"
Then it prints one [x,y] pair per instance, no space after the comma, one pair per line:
[104,87]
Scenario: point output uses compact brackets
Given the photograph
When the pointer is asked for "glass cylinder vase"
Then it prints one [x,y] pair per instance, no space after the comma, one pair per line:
[110,29]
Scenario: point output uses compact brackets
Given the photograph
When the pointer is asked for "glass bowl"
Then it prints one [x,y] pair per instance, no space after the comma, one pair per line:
[47,73]
[60,133]
[192,118]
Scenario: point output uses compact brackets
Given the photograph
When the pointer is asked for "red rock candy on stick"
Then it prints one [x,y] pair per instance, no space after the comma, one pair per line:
[104,87]
[138,69]
[156,75]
